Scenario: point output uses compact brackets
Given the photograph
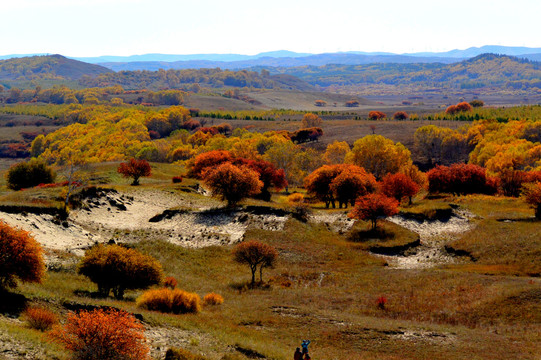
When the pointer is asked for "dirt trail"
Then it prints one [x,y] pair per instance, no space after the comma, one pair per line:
[434,235]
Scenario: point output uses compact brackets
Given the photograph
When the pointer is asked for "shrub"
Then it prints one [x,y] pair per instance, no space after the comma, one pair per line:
[181,354]
[135,169]
[40,318]
[102,334]
[295,199]
[177,179]
[213,299]
[116,268]
[254,254]
[29,174]
[373,206]
[381,302]
[170,282]
[170,301]
[310,120]
[21,257]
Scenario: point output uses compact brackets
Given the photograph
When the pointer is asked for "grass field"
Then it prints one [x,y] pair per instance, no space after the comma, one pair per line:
[325,288]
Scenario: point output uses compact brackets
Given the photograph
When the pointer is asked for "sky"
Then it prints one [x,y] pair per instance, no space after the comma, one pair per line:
[81,28]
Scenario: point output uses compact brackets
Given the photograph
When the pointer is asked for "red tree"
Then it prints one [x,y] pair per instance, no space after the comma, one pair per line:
[399,186]
[254,254]
[232,183]
[210,159]
[352,182]
[373,206]
[135,169]
[532,195]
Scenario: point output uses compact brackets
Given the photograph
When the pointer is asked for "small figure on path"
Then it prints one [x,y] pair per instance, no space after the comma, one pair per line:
[298,354]
[304,345]
[307,357]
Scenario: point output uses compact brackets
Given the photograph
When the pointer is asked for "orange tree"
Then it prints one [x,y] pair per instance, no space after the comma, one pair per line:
[135,169]
[254,254]
[532,195]
[21,257]
[373,206]
[399,186]
[232,183]
[116,268]
[102,334]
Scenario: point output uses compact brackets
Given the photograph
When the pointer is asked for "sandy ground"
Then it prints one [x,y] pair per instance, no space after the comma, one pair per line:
[125,217]
[434,235]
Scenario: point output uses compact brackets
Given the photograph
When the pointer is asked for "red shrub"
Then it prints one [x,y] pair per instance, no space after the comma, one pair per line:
[400,115]
[39,318]
[381,302]
[213,299]
[102,334]
[177,179]
[376,115]
[170,282]
[399,186]
[460,179]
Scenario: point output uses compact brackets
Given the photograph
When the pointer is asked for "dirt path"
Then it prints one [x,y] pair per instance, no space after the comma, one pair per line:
[434,235]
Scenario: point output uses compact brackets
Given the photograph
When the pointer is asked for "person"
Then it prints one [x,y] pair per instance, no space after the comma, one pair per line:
[307,357]
[298,354]
[304,345]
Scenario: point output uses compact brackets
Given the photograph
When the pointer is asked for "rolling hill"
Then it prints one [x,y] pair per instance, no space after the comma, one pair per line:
[486,70]
[54,67]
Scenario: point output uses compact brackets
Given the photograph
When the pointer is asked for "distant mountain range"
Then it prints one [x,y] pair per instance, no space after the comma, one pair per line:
[283,58]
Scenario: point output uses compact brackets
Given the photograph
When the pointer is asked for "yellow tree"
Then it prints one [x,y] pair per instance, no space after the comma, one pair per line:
[336,152]
[379,155]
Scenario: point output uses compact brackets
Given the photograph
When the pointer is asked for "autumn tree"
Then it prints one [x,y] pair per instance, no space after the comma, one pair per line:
[460,179]
[102,334]
[373,206]
[320,103]
[255,254]
[379,155]
[352,103]
[399,186]
[310,120]
[232,183]
[206,160]
[477,103]
[532,195]
[21,257]
[336,152]
[401,115]
[376,115]
[117,268]
[339,182]
[352,182]
[135,169]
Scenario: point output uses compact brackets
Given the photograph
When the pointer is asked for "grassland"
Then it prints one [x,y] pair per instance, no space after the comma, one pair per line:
[325,287]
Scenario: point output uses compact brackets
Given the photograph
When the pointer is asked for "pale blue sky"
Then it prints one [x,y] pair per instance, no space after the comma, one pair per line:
[128,27]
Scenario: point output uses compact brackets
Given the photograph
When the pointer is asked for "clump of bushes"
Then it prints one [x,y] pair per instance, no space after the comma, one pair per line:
[177,179]
[117,268]
[213,299]
[40,318]
[102,334]
[29,174]
[461,179]
[21,257]
[166,300]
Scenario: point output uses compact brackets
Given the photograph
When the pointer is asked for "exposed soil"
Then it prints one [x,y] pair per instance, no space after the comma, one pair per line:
[434,236]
